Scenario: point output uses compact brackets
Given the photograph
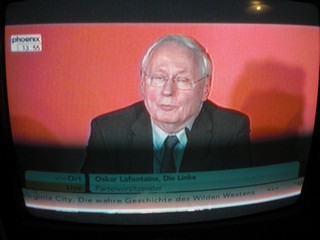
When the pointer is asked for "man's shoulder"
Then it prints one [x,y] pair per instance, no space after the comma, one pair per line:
[224,122]
[223,114]
[127,114]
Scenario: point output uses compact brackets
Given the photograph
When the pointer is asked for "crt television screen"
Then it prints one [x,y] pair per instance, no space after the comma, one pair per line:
[92,102]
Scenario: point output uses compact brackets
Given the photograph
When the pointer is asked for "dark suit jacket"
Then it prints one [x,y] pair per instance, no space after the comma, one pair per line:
[121,141]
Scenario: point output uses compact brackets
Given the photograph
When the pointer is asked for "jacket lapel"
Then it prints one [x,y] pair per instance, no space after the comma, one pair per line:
[199,141]
[142,145]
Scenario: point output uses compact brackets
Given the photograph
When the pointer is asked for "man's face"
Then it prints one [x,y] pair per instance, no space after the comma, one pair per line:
[172,109]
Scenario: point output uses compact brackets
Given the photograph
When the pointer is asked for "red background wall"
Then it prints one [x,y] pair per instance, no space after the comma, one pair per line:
[270,72]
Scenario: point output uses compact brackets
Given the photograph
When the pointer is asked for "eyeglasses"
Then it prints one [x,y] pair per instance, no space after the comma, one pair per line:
[183,83]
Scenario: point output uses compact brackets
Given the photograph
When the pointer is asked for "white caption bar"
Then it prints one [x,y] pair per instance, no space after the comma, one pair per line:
[161,202]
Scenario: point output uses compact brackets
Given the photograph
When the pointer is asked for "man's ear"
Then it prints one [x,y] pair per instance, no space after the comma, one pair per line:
[206,89]
[142,86]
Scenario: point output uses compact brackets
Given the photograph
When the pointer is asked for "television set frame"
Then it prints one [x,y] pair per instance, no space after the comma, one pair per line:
[289,220]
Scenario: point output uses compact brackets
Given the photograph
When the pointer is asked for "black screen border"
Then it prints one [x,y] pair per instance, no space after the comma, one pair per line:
[176,11]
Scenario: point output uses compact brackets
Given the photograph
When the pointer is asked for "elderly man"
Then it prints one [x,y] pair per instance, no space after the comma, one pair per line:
[176,128]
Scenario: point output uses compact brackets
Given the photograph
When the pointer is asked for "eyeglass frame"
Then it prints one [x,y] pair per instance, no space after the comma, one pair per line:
[174,80]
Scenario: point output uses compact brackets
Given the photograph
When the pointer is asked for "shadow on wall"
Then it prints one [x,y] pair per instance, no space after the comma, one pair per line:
[271,93]
[37,148]
[27,129]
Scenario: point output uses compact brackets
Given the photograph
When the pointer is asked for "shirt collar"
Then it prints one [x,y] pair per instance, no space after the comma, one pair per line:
[159,136]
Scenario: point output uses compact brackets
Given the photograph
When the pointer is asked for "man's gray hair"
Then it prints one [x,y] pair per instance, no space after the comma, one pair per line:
[205,63]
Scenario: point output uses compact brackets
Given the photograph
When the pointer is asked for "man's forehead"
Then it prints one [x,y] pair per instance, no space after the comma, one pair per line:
[173,46]
[171,51]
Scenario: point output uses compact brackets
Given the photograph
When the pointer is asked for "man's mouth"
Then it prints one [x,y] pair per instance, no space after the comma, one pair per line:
[166,107]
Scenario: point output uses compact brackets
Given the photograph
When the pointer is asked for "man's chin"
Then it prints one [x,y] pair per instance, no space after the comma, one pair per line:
[166,122]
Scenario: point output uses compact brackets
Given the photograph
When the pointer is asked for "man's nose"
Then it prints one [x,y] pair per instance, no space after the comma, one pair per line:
[169,87]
